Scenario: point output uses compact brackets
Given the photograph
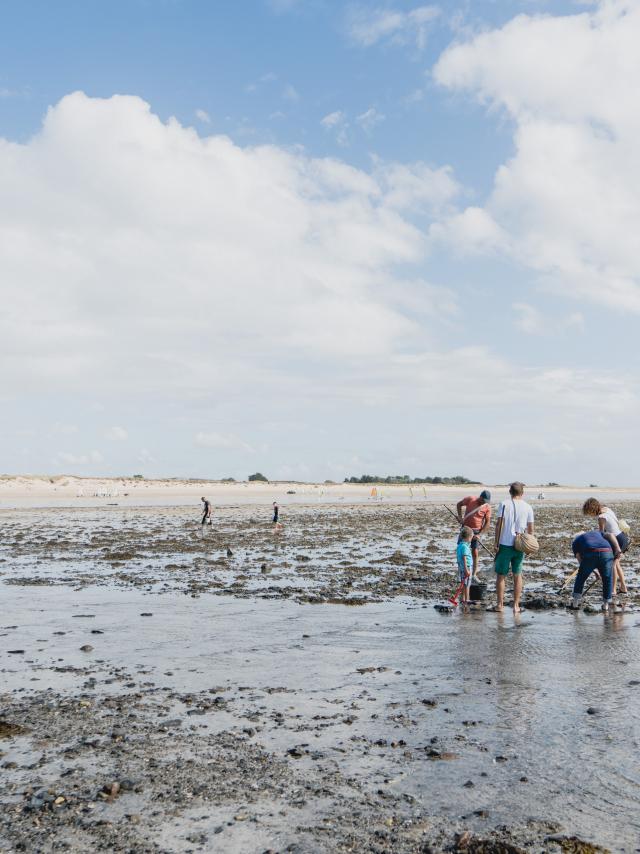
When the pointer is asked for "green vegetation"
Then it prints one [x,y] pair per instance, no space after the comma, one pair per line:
[138,477]
[258,476]
[229,480]
[404,478]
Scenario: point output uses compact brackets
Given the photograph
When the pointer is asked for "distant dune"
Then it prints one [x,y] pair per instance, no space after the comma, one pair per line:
[16,490]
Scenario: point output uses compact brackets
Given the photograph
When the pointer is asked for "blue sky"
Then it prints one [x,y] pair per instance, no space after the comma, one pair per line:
[446,285]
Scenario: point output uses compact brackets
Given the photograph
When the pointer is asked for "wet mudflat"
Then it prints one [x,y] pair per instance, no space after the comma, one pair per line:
[157,694]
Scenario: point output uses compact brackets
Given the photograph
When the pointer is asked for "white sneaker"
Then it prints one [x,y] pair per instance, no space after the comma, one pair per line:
[575,603]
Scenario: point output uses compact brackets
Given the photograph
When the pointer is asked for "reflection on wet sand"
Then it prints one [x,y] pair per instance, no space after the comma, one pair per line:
[260,718]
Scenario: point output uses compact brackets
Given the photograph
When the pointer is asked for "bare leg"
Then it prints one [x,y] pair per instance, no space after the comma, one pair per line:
[517,591]
[500,592]
[474,555]
[617,572]
[618,575]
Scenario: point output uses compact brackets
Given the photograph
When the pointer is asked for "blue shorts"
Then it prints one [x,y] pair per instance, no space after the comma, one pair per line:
[462,572]
[623,541]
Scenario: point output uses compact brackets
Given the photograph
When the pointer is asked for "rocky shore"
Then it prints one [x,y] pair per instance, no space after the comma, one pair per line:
[168,691]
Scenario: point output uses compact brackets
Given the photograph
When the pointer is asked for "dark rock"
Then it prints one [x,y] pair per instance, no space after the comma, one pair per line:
[295,752]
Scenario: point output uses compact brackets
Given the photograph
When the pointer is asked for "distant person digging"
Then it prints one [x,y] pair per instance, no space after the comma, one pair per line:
[206,513]
[475,512]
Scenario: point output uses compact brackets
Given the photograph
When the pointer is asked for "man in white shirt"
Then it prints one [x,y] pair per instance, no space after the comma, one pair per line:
[515,516]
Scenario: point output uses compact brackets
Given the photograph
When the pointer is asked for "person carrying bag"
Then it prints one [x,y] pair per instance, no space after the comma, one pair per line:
[514,538]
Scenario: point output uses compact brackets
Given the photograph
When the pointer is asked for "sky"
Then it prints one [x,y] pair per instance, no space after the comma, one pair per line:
[319,239]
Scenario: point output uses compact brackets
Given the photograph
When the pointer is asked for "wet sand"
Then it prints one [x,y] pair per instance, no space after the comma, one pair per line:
[233,703]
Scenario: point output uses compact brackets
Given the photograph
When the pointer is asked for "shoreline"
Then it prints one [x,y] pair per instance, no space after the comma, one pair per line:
[74,491]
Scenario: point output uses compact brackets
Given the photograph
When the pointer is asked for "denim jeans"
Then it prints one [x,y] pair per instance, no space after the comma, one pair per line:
[603,562]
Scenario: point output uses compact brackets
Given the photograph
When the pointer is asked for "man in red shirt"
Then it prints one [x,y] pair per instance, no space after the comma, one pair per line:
[475,513]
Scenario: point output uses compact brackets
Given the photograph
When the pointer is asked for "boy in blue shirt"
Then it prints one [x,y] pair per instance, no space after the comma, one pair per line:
[465,561]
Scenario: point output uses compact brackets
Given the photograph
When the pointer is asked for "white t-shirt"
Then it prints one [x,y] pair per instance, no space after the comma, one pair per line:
[517,515]
[611,525]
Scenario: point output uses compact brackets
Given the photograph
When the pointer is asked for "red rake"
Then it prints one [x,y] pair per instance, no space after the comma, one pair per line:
[454,599]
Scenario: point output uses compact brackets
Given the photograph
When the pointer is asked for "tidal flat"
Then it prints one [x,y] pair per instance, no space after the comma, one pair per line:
[169,689]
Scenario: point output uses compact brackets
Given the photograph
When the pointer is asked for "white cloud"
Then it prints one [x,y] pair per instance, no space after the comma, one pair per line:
[290,93]
[331,120]
[89,459]
[116,434]
[567,203]
[264,79]
[145,456]
[338,123]
[142,262]
[533,322]
[62,428]
[418,187]
[203,116]
[369,119]
[416,96]
[529,319]
[226,441]
[192,252]
[280,6]
[575,321]
[368,26]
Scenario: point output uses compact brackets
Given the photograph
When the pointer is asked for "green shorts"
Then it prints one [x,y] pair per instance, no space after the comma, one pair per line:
[507,559]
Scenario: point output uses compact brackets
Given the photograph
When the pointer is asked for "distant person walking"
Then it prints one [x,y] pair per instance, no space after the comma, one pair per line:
[474,511]
[278,527]
[609,527]
[594,553]
[206,513]
[515,516]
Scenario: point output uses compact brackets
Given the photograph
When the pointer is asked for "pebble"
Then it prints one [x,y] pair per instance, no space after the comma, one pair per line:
[295,752]
[86,648]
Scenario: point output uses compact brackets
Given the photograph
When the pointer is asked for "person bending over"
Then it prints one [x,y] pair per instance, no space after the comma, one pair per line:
[593,552]
[477,516]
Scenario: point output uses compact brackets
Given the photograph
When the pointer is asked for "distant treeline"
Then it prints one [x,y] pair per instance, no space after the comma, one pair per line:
[404,478]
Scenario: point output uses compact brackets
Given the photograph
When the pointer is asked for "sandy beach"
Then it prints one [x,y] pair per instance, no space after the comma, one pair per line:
[169,689]
[71,490]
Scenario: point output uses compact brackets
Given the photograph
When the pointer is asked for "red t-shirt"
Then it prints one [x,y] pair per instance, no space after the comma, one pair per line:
[476,510]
